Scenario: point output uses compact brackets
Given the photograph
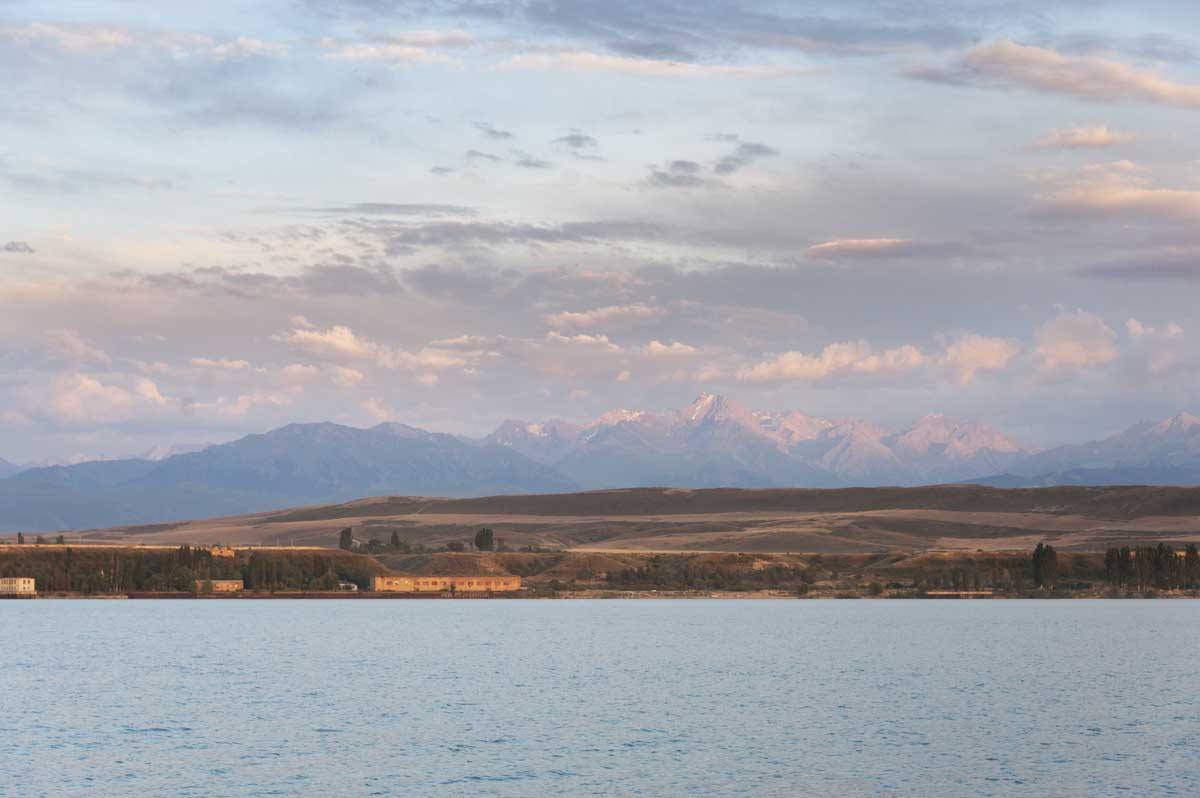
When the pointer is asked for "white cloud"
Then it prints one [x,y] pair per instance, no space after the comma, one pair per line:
[83,399]
[970,354]
[613,315]
[220,364]
[1007,63]
[1075,339]
[583,340]
[839,247]
[85,39]
[72,344]
[1113,187]
[339,342]
[674,349]
[584,61]
[1161,349]
[378,410]
[850,357]
[1079,138]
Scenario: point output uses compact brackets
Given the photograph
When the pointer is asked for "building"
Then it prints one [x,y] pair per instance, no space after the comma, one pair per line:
[17,586]
[445,584]
[222,551]
[348,587]
[219,586]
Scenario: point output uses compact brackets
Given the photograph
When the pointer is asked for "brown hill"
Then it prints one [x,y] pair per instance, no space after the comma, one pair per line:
[862,520]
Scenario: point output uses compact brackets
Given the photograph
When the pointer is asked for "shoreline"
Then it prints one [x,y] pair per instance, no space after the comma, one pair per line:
[608,595]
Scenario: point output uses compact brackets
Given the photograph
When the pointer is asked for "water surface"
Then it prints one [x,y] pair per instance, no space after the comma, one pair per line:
[599,698]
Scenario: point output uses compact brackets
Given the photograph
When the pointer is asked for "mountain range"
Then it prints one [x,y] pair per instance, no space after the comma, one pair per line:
[713,442]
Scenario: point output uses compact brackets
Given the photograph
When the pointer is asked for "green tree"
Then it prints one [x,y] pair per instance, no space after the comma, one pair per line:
[1191,567]
[1112,566]
[1045,566]
[61,540]
[395,542]
[346,539]
[485,540]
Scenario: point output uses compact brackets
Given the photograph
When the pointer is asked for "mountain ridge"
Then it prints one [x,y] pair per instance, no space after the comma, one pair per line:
[714,442]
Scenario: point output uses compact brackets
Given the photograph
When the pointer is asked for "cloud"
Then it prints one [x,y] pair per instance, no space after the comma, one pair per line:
[743,155]
[1005,63]
[600,342]
[610,316]
[1161,349]
[850,357]
[397,209]
[861,247]
[1165,263]
[221,364]
[970,354]
[72,344]
[83,399]
[527,161]
[580,145]
[480,155]
[341,343]
[1075,339]
[674,349]
[377,409]
[584,61]
[493,132]
[419,47]
[89,40]
[1110,188]
[676,174]
[1079,138]
[17,247]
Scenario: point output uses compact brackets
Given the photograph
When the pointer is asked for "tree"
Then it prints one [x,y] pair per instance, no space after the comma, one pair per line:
[20,538]
[1191,567]
[395,540]
[1045,566]
[456,545]
[346,539]
[485,540]
[62,541]
[1112,566]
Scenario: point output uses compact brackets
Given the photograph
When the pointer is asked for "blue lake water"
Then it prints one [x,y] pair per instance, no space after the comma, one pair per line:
[599,698]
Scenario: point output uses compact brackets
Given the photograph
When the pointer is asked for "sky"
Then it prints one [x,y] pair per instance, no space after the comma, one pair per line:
[219,218]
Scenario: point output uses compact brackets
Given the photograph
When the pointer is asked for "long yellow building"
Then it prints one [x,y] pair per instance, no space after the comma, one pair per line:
[440,584]
[17,586]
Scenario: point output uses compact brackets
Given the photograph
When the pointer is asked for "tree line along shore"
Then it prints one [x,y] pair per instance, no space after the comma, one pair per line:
[1142,571]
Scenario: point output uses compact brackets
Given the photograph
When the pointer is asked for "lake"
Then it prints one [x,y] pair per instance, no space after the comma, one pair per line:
[599,698]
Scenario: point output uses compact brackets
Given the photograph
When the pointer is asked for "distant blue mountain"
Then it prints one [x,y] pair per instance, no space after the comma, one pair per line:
[1149,453]
[296,464]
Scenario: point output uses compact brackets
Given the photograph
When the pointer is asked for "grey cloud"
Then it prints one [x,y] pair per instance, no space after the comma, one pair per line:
[676,174]
[479,155]
[580,145]
[745,153]
[78,181]
[577,140]
[492,132]
[324,279]
[527,161]
[1169,266]
[397,209]
[496,233]
[441,171]
[456,283]
[19,247]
